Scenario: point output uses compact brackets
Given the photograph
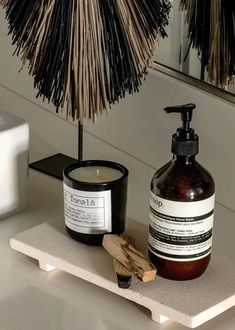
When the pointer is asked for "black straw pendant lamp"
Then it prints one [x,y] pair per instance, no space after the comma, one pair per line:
[85,55]
[212,33]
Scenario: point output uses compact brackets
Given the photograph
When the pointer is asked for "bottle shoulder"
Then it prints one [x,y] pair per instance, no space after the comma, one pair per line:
[183,182]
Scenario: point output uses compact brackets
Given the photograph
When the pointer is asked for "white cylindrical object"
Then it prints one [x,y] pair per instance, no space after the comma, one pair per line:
[14,155]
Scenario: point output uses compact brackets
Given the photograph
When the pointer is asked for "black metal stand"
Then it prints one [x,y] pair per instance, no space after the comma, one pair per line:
[55,164]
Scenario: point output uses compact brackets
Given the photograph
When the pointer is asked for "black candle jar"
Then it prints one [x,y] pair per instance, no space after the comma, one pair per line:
[95,197]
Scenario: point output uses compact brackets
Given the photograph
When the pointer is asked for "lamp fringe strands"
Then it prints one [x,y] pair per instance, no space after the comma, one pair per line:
[85,55]
[212,33]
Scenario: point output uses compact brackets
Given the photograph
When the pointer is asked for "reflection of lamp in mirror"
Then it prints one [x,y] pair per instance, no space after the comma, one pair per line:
[211,26]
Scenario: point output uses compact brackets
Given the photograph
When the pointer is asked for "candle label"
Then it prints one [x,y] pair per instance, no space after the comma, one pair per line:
[87,212]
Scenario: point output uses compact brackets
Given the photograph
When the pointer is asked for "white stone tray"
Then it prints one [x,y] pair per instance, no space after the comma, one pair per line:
[190,303]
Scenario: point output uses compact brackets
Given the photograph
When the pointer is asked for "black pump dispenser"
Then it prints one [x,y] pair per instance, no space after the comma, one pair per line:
[184,142]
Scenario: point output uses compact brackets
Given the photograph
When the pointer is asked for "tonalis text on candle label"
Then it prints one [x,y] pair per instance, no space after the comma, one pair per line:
[87,212]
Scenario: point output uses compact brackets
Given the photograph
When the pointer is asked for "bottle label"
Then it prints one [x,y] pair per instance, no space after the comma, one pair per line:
[181,231]
[87,212]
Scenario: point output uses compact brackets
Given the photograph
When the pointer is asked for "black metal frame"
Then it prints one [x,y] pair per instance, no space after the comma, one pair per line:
[55,164]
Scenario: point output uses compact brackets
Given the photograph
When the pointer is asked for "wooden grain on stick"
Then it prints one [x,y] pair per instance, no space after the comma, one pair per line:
[129,257]
[124,276]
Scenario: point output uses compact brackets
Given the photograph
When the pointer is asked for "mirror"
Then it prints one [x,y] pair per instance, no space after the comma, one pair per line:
[176,53]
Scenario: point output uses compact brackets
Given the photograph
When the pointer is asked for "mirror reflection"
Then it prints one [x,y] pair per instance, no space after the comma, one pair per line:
[201,41]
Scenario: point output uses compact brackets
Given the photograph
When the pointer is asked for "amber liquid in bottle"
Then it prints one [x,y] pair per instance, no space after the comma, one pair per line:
[183,179]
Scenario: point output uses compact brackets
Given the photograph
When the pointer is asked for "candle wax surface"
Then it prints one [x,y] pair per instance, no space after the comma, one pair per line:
[95,174]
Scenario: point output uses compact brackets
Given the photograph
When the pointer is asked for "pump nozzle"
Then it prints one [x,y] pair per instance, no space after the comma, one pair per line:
[185,141]
[186,111]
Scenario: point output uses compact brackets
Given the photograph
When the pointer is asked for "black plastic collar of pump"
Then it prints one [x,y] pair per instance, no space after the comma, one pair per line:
[184,142]
[185,147]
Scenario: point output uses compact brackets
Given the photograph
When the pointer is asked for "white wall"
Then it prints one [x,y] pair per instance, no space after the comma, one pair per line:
[137,132]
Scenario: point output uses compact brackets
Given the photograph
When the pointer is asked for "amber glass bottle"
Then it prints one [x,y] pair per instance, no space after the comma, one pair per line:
[182,207]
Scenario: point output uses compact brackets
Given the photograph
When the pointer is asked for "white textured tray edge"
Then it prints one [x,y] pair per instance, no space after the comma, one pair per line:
[56,263]
[213,311]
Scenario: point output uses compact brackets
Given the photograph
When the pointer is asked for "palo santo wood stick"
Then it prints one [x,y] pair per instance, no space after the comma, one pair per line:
[124,276]
[129,257]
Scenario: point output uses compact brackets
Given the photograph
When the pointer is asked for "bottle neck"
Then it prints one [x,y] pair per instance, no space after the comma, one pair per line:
[184,159]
